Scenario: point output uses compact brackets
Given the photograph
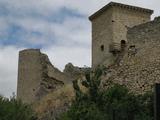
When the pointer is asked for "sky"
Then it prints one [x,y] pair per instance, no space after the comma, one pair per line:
[60,28]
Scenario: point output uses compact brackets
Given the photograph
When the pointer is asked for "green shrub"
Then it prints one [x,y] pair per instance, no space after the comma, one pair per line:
[12,109]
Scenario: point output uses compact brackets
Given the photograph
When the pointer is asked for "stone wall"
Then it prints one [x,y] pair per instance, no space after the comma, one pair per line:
[139,68]
[123,19]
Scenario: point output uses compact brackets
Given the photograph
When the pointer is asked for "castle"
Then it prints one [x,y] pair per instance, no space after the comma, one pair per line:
[121,34]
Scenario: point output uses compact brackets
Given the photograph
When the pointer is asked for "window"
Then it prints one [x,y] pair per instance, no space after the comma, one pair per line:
[132,46]
[102,47]
[123,44]
[132,50]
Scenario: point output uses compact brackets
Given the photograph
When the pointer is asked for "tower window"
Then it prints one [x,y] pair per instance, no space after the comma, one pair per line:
[123,44]
[102,47]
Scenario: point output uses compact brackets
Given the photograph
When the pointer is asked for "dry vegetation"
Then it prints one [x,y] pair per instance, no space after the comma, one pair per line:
[55,102]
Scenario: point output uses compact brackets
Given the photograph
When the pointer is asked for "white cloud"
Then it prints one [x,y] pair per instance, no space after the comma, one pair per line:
[47,7]
[72,29]
[60,56]
[87,7]
[8,69]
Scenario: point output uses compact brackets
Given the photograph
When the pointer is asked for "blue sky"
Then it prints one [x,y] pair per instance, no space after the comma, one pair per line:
[59,27]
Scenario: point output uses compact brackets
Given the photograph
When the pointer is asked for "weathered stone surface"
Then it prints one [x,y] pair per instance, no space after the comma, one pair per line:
[141,70]
[37,76]
[74,71]
[109,28]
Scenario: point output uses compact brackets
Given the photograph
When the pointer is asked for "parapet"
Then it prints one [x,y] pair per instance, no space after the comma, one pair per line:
[115,4]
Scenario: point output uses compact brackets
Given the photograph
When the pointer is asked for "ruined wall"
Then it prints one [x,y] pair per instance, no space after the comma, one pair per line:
[139,69]
[37,76]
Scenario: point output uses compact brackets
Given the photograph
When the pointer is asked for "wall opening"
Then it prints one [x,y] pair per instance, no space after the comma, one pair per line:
[132,50]
[132,46]
[102,47]
[123,44]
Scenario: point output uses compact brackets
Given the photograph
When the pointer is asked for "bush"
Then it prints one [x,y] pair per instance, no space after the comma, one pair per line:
[12,109]
[115,103]
[119,103]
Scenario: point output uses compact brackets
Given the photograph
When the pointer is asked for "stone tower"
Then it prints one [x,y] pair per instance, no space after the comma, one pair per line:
[109,29]
[29,74]
[37,76]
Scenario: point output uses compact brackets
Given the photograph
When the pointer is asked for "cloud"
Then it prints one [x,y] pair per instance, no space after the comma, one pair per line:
[8,69]
[48,7]
[60,56]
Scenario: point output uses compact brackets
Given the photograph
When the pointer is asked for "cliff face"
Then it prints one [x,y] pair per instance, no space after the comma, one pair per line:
[139,69]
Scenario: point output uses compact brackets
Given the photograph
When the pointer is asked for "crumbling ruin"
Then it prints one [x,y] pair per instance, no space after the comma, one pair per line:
[124,40]
[37,76]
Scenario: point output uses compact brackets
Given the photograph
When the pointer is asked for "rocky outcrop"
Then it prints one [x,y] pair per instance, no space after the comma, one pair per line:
[74,71]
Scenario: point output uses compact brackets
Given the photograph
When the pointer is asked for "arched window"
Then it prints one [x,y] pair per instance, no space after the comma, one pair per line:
[123,42]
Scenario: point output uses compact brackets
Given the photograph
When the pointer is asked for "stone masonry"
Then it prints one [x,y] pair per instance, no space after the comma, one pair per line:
[109,29]
[139,69]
